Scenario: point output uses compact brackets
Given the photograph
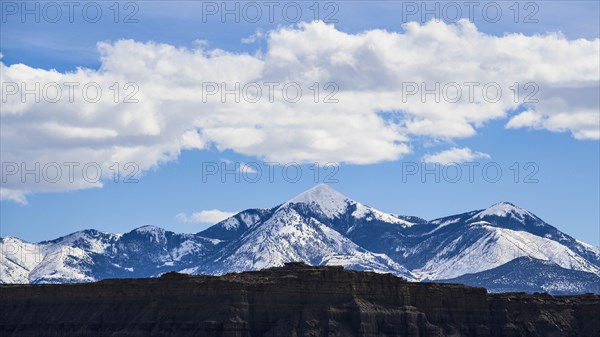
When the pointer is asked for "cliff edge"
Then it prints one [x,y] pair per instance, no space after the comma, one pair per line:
[294,300]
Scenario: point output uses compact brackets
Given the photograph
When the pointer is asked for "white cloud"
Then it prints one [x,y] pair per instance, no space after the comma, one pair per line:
[563,109]
[260,34]
[371,70]
[525,119]
[247,169]
[12,195]
[244,168]
[578,123]
[212,216]
[454,155]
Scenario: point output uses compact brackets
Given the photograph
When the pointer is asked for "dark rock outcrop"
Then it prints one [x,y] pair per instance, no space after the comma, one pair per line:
[295,300]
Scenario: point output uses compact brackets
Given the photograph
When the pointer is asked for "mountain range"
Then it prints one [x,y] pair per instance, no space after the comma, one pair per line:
[503,248]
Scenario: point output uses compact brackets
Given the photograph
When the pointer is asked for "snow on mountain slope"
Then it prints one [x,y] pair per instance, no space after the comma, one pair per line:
[497,246]
[507,209]
[234,226]
[464,229]
[588,251]
[92,255]
[188,246]
[151,250]
[323,200]
[288,236]
[370,214]
[24,262]
[340,212]
[531,275]
[17,259]
[63,264]
[90,240]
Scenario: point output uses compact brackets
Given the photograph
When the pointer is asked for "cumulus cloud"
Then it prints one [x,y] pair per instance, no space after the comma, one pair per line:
[364,77]
[572,110]
[212,216]
[454,155]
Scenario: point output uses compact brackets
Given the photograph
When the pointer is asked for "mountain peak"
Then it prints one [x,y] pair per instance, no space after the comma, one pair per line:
[148,229]
[319,193]
[504,209]
[505,203]
[325,200]
[505,206]
[330,201]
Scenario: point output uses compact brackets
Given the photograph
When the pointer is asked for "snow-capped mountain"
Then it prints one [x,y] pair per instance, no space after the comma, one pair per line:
[532,275]
[288,234]
[91,255]
[498,247]
[480,240]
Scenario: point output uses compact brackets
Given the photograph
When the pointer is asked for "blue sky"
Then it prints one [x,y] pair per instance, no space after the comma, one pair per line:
[564,190]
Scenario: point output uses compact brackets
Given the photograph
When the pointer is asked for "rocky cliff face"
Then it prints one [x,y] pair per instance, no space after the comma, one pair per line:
[295,300]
